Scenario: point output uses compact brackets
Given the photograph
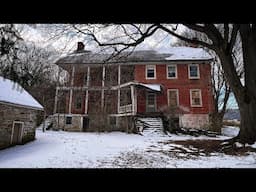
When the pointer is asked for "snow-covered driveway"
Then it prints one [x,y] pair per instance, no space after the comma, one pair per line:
[58,149]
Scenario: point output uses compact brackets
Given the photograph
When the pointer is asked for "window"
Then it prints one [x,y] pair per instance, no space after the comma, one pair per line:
[68,120]
[194,71]
[85,78]
[78,102]
[195,98]
[171,71]
[173,97]
[150,71]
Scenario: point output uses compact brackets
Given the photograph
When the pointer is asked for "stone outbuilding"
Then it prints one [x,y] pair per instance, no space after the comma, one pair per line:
[18,114]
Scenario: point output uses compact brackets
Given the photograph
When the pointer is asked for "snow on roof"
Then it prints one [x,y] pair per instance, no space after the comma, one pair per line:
[187,53]
[173,53]
[13,93]
[154,87]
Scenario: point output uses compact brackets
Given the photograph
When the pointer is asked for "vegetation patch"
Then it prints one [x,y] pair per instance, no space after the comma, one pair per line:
[207,147]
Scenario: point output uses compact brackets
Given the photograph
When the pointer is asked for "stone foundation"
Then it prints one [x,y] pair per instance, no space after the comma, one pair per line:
[59,122]
[197,121]
[97,122]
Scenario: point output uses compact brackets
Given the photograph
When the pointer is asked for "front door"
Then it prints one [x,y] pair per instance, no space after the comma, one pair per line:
[17,133]
[151,102]
[85,123]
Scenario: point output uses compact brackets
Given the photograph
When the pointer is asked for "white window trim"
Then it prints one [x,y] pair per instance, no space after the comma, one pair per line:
[146,71]
[200,95]
[198,71]
[176,73]
[168,96]
[21,134]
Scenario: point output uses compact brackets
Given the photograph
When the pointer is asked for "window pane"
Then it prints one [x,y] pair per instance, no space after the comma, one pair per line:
[173,98]
[171,71]
[196,99]
[78,103]
[68,120]
[151,99]
[150,72]
[193,70]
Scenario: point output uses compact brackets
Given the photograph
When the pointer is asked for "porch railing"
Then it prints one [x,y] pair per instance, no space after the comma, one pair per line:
[125,108]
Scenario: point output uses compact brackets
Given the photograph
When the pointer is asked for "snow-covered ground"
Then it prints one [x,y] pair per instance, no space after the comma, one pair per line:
[58,149]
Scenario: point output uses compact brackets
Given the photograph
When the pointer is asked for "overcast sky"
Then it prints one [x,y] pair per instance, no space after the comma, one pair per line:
[159,41]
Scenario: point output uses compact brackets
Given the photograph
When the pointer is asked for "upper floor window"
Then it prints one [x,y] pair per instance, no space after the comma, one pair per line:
[195,98]
[78,102]
[173,97]
[171,71]
[150,72]
[193,71]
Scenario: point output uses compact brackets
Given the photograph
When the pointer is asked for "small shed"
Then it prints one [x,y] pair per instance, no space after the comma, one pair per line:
[18,114]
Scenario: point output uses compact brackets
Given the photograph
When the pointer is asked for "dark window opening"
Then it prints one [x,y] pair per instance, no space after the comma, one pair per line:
[68,120]
[78,103]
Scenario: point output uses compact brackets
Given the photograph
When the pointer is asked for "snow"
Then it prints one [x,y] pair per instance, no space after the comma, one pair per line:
[155,87]
[59,149]
[187,53]
[13,93]
[230,131]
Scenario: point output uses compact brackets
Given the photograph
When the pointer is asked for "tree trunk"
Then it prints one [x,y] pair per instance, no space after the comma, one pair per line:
[247,132]
[216,121]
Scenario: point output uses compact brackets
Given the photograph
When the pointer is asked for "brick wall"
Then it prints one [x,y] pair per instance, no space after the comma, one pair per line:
[182,83]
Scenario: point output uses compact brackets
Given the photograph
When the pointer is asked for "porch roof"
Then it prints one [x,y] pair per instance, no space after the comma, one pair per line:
[153,87]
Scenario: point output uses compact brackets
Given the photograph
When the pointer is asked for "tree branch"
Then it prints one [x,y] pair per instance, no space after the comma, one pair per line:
[210,46]
[233,38]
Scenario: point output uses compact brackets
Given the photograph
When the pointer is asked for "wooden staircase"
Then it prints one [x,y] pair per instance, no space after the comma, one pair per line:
[150,126]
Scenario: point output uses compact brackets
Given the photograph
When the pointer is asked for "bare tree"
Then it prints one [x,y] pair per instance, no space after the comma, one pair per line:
[220,88]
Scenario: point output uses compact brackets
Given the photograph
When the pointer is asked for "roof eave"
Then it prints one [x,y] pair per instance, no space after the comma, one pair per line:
[23,106]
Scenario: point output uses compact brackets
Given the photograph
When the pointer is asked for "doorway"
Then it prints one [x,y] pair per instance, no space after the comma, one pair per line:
[85,123]
[151,102]
[17,132]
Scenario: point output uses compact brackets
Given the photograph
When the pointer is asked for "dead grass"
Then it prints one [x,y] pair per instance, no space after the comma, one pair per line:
[197,147]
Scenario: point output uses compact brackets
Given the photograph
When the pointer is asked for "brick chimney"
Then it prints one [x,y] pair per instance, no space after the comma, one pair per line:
[80,46]
[193,44]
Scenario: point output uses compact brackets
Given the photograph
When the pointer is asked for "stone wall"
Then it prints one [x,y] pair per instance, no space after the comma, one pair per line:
[197,121]
[97,123]
[59,122]
[9,114]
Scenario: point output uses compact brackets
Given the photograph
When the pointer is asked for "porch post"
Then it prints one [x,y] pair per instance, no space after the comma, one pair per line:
[56,92]
[71,90]
[87,91]
[134,99]
[56,100]
[118,90]
[102,85]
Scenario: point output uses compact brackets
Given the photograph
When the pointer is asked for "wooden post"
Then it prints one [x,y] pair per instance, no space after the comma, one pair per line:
[56,92]
[87,91]
[71,90]
[134,99]
[118,91]
[56,100]
[103,85]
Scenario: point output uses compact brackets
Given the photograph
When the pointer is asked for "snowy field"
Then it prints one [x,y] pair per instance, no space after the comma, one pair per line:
[58,149]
